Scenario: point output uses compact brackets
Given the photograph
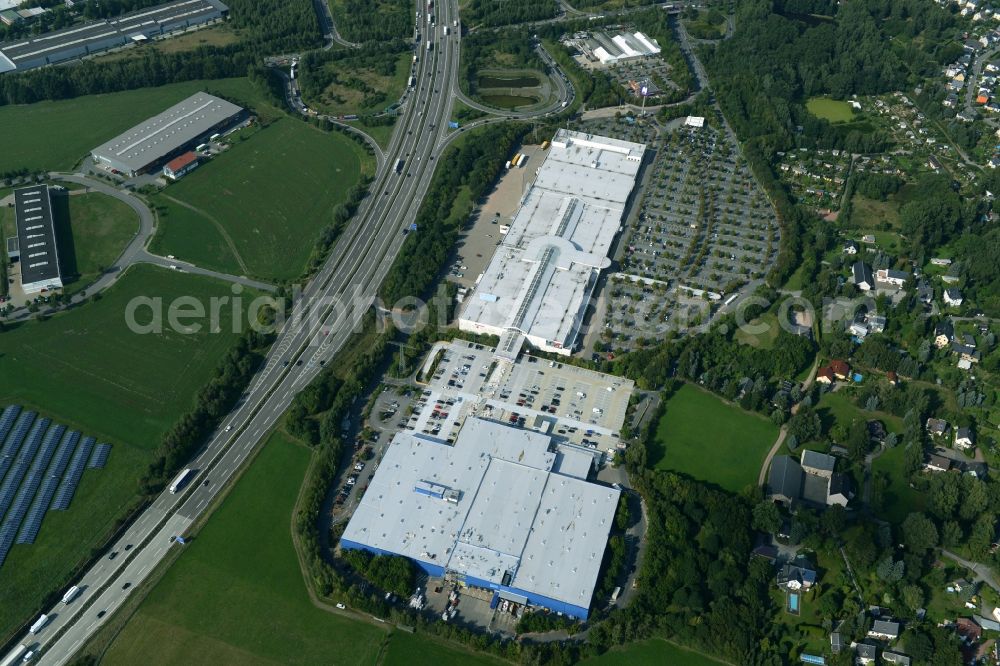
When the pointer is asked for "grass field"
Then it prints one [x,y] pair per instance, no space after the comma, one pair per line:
[874,214]
[830,109]
[91,232]
[837,407]
[57,135]
[900,498]
[272,193]
[237,594]
[763,339]
[221,35]
[203,244]
[702,436]
[86,370]
[653,652]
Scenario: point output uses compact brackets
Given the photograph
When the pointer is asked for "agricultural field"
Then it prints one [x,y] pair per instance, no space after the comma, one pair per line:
[833,110]
[653,652]
[238,585]
[709,440]
[266,217]
[85,369]
[57,135]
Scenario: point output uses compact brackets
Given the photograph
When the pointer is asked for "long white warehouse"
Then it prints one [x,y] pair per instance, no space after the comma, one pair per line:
[541,278]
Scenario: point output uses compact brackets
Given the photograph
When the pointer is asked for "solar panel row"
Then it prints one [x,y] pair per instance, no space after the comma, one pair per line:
[50,481]
[6,541]
[13,443]
[12,481]
[64,494]
[7,420]
[33,479]
[100,457]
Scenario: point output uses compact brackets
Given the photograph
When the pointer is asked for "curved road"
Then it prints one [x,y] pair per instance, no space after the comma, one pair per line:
[565,93]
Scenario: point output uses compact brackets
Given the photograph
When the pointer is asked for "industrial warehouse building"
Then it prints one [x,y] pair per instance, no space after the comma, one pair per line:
[165,136]
[610,49]
[503,509]
[96,36]
[541,277]
[36,240]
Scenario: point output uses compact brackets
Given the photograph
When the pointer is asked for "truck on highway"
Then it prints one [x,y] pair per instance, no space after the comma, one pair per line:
[430,45]
[15,655]
[446,30]
[181,480]
[413,81]
[71,594]
[399,166]
[614,595]
[39,624]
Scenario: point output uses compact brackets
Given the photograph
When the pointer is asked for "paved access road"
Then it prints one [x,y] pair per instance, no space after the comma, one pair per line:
[315,332]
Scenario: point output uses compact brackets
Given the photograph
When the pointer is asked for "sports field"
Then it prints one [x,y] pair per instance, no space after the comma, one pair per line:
[92,230]
[271,194]
[830,109]
[237,595]
[702,436]
[57,135]
[86,370]
[653,653]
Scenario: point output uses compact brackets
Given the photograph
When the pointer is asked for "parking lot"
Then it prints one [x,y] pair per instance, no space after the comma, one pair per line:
[576,405]
[704,230]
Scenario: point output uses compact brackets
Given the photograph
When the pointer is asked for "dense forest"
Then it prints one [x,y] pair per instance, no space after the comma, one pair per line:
[373,20]
[774,62]
[493,13]
[475,164]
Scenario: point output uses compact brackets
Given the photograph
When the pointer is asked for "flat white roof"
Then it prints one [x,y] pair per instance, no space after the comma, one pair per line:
[489,506]
[545,268]
[164,133]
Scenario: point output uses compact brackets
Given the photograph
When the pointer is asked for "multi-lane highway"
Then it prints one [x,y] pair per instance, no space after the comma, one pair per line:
[331,306]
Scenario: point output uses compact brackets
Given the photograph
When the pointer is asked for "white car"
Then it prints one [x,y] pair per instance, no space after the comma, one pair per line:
[228,428]
[341,606]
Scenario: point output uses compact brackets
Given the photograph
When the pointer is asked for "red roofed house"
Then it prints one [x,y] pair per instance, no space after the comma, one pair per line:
[825,375]
[179,166]
[840,369]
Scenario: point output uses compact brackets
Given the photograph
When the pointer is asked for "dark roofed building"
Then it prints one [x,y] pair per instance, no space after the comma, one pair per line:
[795,578]
[785,480]
[818,463]
[862,275]
[36,239]
[936,463]
[884,629]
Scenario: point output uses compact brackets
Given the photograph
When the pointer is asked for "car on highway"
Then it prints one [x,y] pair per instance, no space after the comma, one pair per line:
[128,546]
[113,555]
[126,586]
[102,613]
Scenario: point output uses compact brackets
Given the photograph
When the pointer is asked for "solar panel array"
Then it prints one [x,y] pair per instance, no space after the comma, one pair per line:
[40,467]
[100,457]
[50,481]
[67,487]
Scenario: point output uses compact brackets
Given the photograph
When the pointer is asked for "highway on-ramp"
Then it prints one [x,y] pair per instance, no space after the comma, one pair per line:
[333,304]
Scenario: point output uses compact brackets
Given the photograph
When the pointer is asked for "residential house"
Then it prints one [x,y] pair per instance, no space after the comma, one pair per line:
[944,333]
[886,630]
[968,340]
[925,292]
[850,247]
[887,277]
[964,439]
[953,297]
[939,261]
[876,431]
[825,375]
[895,658]
[791,577]
[936,463]
[932,162]
[866,654]
[868,239]
[937,427]
[892,378]
[968,630]
[841,370]
[862,276]
[950,101]
[966,353]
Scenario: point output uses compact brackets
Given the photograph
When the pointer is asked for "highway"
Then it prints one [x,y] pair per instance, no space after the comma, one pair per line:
[332,305]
